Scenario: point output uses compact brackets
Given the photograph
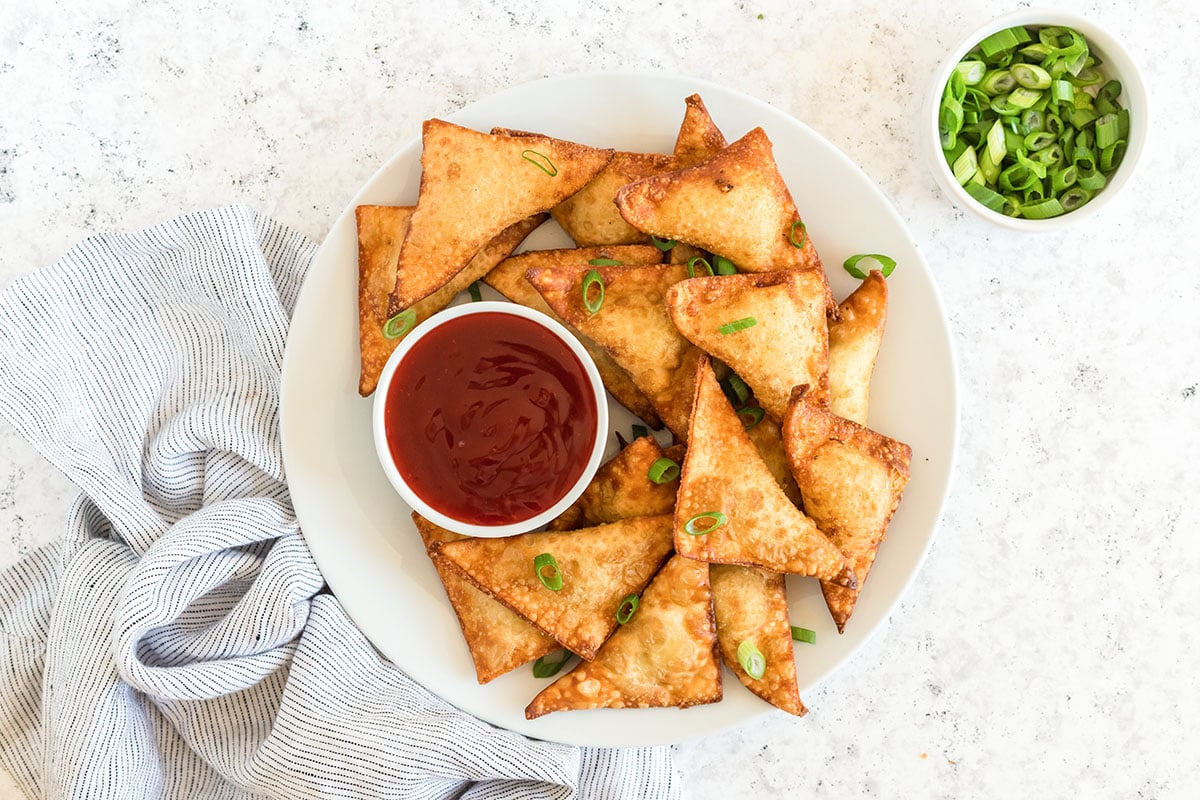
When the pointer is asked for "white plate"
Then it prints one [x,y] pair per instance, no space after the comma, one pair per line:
[359,530]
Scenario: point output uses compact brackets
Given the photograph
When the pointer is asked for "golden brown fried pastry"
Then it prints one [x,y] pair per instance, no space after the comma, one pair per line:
[785,342]
[723,475]
[590,217]
[664,656]
[854,342]
[633,326]
[735,204]
[751,605]
[622,488]
[474,185]
[499,640]
[381,229]
[508,278]
[851,478]
[599,566]
[699,137]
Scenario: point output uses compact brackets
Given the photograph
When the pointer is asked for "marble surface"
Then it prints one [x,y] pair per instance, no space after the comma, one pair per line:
[1049,646]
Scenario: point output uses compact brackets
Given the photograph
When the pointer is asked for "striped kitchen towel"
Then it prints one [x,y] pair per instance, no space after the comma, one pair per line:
[175,642]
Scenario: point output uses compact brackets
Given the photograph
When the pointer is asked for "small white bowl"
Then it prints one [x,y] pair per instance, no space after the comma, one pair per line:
[1117,64]
[414,500]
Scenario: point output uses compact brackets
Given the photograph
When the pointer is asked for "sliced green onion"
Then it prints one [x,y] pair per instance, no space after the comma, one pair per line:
[804,635]
[986,196]
[750,416]
[629,604]
[663,244]
[1002,42]
[692,262]
[1033,120]
[710,520]
[474,291]
[546,568]
[1061,179]
[1031,76]
[887,264]
[592,278]
[736,389]
[605,262]
[1023,98]
[723,266]
[996,147]
[1051,156]
[965,166]
[798,243]
[1107,131]
[1110,91]
[1038,140]
[971,72]
[998,81]
[400,324]
[639,431]
[751,659]
[737,325]
[1062,92]
[1074,197]
[664,470]
[1110,157]
[1043,209]
[542,668]
[540,161]
[1092,180]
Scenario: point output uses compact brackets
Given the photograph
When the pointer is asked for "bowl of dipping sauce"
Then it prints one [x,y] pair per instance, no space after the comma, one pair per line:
[1036,120]
[490,419]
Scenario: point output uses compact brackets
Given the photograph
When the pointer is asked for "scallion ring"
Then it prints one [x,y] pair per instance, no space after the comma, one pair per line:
[545,566]
[702,261]
[541,161]
[798,243]
[887,264]
[723,266]
[736,389]
[400,324]
[593,301]
[704,523]
[663,244]
[664,470]
[752,659]
[804,635]
[605,262]
[639,431]
[474,291]
[737,325]
[548,669]
[750,416]
[625,611]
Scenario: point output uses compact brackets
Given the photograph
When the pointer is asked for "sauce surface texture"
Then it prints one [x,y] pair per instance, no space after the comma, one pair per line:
[490,418]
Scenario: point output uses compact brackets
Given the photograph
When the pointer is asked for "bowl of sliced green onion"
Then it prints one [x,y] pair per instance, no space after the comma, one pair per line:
[1036,119]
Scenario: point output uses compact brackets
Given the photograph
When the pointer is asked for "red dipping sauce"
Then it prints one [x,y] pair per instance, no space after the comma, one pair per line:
[490,418]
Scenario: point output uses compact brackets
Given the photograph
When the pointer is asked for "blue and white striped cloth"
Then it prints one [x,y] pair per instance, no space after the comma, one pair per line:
[176,642]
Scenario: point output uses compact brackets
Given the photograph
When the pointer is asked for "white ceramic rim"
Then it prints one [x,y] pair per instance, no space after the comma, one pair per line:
[379,428]
[1120,65]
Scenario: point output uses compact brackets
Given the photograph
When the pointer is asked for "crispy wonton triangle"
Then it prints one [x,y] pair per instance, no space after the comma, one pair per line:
[699,137]
[734,204]
[787,343]
[600,566]
[724,474]
[499,640]
[751,605]
[622,488]
[474,185]
[854,342]
[767,438]
[381,229]
[590,217]
[664,656]
[851,478]
[633,326]
[508,278]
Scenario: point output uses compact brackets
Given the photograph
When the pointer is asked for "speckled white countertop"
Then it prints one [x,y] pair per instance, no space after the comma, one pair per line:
[1049,647]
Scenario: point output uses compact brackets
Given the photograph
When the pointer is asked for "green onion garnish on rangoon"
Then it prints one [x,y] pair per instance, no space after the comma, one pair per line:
[704,523]
[798,239]
[887,264]
[475,292]
[541,161]
[546,568]
[750,416]
[751,659]
[639,431]
[605,262]
[400,324]
[593,300]
[544,668]
[625,611]
[698,263]
[737,325]
[664,470]
[723,266]
[663,244]
[804,635]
